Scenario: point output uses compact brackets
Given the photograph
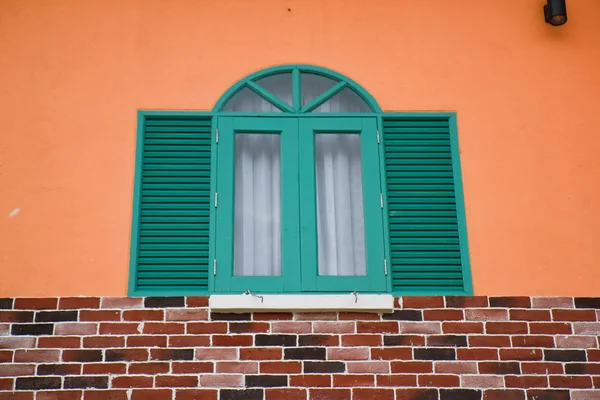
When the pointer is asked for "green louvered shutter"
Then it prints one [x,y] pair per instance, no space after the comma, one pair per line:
[171,223]
[424,215]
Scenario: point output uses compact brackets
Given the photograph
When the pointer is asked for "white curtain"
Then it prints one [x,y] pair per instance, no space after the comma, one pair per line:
[340,217]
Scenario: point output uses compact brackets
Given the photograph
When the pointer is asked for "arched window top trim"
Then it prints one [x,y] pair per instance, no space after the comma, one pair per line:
[295,69]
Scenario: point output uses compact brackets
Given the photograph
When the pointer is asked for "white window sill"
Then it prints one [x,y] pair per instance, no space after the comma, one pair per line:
[239,303]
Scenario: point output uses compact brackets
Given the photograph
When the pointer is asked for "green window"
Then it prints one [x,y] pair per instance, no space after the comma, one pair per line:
[298,183]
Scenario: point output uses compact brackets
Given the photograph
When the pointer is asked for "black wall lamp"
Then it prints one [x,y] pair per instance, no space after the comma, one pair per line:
[555,12]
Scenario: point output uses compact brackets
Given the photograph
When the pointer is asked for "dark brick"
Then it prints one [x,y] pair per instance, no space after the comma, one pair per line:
[404,315]
[499,368]
[325,367]
[248,394]
[318,340]
[230,317]
[58,369]
[83,382]
[6,303]
[544,394]
[266,380]
[565,355]
[82,355]
[37,383]
[32,329]
[172,354]
[435,354]
[164,302]
[55,316]
[416,394]
[583,302]
[248,327]
[275,340]
[503,394]
[447,340]
[510,302]
[114,355]
[403,340]
[16,316]
[305,353]
[466,301]
[582,368]
[460,394]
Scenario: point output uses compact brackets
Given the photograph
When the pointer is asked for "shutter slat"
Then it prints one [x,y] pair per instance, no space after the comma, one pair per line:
[173,237]
[421,202]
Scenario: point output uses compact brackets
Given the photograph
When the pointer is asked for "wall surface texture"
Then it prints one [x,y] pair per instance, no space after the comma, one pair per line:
[74,73]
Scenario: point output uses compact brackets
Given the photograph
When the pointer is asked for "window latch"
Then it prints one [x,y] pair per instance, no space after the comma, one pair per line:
[254,295]
[355,293]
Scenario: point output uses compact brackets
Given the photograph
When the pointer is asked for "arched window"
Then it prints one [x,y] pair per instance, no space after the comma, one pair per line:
[298,182]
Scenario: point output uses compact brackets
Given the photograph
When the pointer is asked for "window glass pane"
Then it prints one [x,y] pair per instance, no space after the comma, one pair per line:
[280,85]
[247,100]
[345,101]
[257,224]
[340,215]
[312,85]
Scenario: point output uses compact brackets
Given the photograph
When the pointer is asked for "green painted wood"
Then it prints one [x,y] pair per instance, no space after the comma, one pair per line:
[426,229]
[170,230]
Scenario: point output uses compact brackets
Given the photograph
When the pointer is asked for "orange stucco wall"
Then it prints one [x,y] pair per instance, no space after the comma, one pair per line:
[73,73]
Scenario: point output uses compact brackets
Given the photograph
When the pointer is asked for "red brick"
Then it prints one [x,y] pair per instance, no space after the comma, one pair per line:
[489,341]
[37,356]
[347,354]
[81,355]
[526,382]
[189,341]
[232,340]
[60,394]
[189,314]
[329,394]
[143,315]
[343,316]
[486,315]
[573,382]
[372,394]
[423,302]
[499,328]
[455,367]
[163,328]
[218,354]
[197,301]
[148,368]
[105,368]
[100,315]
[78,302]
[16,370]
[176,381]
[541,368]
[18,396]
[477,354]
[16,316]
[249,327]
[119,328]
[574,315]
[593,355]
[398,302]
[260,353]
[462,327]
[438,380]
[521,354]
[396,380]
[587,328]
[323,316]
[310,381]
[75,328]
[206,327]
[122,302]
[596,380]
[391,353]
[361,340]
[17,342]
[6,384]
[412,367]
[529,315]
[277,367]
[533,341]
[260,316]
[132,381]
[287,394]
[103,341]
[225,381]
[106,395]
[146,341]
[353,380]
[291,327]
[192,367]
[504,394]
[333,327]
[6,356]
[482,381]
[551,328]
[368,367]
[420,327]
[196,394]
[234,367]
[59,342]
[155,394]
[40,303]
[377,327]
[443,315]
[576,342]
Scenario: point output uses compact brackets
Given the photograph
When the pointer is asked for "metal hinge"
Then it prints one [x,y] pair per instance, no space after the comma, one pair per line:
[215,266]
[217,136]
[381,199]
[385,266]
[216,199]
[377,136]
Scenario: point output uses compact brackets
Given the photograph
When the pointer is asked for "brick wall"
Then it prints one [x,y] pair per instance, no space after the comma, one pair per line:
[174,348]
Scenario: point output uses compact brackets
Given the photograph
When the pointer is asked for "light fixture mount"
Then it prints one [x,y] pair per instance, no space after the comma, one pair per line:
[555,12]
